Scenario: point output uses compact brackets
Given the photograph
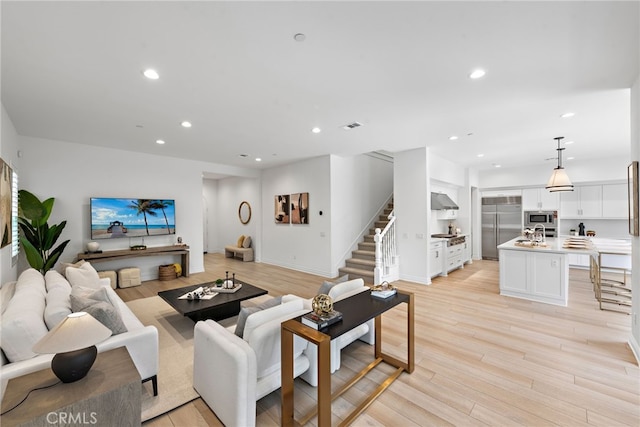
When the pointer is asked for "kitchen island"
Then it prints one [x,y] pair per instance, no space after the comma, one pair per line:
[538,273]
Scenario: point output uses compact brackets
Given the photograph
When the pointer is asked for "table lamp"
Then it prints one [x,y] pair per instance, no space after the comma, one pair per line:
[73,340]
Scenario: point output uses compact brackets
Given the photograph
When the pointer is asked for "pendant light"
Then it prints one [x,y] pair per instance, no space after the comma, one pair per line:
[559,180]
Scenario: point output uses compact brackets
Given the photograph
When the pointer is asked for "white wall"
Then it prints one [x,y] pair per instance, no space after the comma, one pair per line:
[412,199]
[231,192]
[303,247]
[73,173]
[634,340]
[210,216]
[9,153]
[360,187]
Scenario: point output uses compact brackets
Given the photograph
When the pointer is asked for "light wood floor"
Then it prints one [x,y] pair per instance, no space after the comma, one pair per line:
[481,359]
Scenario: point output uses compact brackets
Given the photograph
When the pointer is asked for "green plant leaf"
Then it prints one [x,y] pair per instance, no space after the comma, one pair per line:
[54,255]
[30,206]
[33,255]
[48,206]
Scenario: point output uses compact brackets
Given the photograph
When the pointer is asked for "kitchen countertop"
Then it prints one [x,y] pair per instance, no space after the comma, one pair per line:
[555,245]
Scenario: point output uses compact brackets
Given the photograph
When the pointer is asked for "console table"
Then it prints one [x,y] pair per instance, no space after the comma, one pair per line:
[131,253]
[356,310]
[110,395]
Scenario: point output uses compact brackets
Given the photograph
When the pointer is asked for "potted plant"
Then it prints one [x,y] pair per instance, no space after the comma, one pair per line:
[37,237]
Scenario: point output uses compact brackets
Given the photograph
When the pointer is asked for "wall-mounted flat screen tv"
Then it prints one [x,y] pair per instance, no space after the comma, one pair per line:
[112,218]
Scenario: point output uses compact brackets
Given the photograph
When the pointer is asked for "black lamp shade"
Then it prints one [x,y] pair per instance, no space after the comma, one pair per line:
[73,365]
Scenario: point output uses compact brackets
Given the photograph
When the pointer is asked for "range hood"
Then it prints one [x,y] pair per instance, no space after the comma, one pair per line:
[440,201]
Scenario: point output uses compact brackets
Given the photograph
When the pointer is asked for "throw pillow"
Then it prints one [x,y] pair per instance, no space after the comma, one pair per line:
[58,301]
[85,275]
[245,312]
[62,267]
[240,241]
[326,285]
[247,242]
[103,311]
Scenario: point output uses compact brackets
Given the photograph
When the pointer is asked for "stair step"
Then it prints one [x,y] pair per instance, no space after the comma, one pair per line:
[365,264]
[362,254]
[380,224]
[367,246]
[369,239]
[356,273]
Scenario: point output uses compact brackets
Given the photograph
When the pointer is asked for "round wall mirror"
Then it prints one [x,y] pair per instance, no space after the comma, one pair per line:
[244,212]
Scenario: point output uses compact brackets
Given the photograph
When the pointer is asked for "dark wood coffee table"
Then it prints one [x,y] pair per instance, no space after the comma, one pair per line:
[219,307]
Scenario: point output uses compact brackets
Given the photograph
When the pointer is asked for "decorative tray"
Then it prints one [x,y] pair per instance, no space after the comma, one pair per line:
[222,290]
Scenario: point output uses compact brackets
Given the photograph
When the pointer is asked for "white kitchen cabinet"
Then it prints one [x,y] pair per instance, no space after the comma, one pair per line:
[614,201]
[535,276]
[466,252]
[447,214]
[537,199]
[436,257]
[583,202]
[453,257]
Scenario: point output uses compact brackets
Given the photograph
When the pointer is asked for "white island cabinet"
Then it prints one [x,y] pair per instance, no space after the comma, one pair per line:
[537,273]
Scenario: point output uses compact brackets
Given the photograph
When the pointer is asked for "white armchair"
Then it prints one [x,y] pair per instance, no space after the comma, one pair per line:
[364,332]
[231,373]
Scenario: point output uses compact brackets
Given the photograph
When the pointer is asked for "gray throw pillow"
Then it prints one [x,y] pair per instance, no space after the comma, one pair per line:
[103,311]
[245,312]
[326,285]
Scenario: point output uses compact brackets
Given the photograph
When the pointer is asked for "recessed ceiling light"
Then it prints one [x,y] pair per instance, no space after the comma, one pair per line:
[476,74]
[567,115]
[316,130]
[258,159]
[185,124]
[570,158]
[453,138]
[569,142]
[497,166]
[159,141]
[299,37]
[151,74]
[480,155]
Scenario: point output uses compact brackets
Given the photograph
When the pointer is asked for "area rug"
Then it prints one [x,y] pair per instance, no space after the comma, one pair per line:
[175,341]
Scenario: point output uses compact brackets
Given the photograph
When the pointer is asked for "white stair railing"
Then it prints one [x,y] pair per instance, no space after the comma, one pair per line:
[386,268]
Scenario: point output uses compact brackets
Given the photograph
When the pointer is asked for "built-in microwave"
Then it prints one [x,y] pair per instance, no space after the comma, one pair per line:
[546,218]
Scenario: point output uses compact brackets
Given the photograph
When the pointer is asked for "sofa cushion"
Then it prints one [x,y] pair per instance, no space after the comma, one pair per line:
[262,333]
[246,243]
[240,241]
[6,293]
[99,306]
[23,321]
[326,285]
[58,303]
[245,312]
[85,275]
[346,289]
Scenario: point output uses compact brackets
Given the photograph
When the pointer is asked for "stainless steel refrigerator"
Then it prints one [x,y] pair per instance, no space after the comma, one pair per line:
[501,222]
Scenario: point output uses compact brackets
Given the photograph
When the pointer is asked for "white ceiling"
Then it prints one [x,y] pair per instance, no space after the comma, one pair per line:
[72,71]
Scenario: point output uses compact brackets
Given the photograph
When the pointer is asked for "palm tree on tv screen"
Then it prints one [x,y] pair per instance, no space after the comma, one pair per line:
[162,205]
[144,207]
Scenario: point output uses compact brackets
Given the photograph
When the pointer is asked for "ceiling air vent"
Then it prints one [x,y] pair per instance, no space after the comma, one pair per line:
[352,126]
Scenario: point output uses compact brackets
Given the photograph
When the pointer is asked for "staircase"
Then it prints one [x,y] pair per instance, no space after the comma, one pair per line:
[363,260]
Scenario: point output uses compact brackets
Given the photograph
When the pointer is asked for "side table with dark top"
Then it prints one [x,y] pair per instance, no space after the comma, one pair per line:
[220,307]
[110,395]
[356,310]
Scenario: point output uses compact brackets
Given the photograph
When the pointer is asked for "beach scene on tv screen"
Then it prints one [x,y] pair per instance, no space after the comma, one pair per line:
[113,218]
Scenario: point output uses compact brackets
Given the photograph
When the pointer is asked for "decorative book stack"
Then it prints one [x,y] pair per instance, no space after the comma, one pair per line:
[386,293]
[319,321]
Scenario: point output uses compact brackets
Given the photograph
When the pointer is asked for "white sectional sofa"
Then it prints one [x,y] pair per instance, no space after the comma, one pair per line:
[35,303]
